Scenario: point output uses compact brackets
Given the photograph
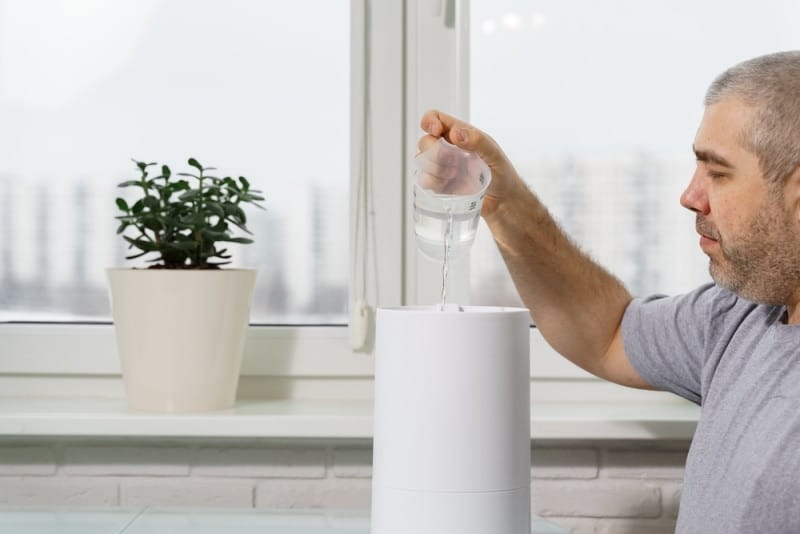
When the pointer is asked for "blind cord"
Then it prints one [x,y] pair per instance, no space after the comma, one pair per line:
[364,235]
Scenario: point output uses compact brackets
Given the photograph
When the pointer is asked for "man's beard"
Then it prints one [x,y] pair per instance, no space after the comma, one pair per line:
[762,265]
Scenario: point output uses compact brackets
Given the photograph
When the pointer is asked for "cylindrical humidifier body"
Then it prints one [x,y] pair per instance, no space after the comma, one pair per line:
[451,450]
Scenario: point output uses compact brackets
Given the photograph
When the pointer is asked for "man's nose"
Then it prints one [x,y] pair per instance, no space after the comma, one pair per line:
[695,196]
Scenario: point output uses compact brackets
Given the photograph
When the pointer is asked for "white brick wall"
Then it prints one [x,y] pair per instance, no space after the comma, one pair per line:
[105,460]
[588,487]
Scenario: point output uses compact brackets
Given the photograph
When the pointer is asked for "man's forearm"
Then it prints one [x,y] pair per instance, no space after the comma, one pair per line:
[575,303]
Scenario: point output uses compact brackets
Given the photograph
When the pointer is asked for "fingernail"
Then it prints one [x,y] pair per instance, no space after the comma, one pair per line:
[461,135]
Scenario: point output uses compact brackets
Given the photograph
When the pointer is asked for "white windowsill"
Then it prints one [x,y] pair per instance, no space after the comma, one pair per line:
[320,419]
[64,381]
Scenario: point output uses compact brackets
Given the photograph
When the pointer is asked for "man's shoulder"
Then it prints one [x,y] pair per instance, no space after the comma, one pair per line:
[728,313]
[708,303]
[719,300]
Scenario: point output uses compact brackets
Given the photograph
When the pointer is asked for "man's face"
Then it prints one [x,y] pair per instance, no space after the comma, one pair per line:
[746,228]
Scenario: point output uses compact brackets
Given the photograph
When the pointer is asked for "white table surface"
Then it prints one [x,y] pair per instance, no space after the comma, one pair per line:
[43,520]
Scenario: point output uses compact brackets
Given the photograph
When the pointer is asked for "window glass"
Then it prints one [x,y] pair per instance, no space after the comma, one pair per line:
[597,104]
[257,89]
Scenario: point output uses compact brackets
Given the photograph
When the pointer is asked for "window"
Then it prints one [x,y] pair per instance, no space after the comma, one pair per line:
[260,89]
[588,102]
[597,105]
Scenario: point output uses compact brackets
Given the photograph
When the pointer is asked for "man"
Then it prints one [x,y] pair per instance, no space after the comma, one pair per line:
[732,346]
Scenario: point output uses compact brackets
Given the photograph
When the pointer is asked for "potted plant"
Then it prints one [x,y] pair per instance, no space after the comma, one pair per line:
[181,323]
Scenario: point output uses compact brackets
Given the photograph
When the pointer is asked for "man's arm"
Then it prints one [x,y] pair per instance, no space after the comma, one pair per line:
[575,303]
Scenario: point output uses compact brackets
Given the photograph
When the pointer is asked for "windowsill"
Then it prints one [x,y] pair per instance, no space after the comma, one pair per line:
[320,419]
[64,381]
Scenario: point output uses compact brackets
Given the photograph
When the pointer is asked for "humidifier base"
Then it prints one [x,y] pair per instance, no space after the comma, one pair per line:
[397,511]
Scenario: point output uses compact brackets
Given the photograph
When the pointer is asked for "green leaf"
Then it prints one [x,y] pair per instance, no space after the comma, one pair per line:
[211,192]
[247,197]
[190,195]
[194,163]
[152,223]
[165,172]
[238,219]
[142,165]
[141,244]
[134,256]
[122,205]
[242,240]
[245,183]
[214,236]
[151,203]
[215,208]
[129,183]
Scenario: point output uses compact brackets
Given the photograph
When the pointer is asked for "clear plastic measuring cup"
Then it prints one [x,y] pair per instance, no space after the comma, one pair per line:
[449,186]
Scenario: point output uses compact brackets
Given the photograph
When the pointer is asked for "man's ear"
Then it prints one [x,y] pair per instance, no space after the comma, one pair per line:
[791,193]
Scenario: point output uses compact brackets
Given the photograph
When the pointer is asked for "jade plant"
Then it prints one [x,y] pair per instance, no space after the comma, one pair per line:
[182,221]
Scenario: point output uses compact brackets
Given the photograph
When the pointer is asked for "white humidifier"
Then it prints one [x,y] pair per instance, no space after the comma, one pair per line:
[451,451]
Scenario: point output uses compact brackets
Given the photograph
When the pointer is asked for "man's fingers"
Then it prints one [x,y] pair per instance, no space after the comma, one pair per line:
[440,124]
[456,132]
[426,141]
[433,172]
[431,123]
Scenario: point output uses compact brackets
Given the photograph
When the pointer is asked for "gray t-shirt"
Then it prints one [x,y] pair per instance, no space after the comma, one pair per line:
[741,363]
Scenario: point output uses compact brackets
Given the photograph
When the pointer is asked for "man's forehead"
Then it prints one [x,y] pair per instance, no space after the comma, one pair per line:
[723,132]
[730,113]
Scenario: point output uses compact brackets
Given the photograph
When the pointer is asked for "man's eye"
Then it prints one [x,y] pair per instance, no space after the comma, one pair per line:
[716,175]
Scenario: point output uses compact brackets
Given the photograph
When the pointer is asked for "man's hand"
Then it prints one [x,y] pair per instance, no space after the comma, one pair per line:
[505,180]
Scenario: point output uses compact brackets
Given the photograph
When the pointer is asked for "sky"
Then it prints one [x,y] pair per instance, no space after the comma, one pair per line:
[555,76]
[85,85]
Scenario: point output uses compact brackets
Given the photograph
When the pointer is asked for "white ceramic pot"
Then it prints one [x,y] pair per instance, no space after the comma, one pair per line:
[181,335]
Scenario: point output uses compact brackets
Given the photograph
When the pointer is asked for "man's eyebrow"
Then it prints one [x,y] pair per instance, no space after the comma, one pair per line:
[711,157]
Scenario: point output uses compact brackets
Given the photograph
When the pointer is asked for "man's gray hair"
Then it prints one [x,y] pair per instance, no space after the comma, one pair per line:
[771,84]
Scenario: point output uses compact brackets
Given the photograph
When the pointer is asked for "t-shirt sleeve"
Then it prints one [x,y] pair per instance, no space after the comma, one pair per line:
[665,339]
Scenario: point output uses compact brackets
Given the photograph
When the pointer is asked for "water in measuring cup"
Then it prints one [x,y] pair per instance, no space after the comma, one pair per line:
[431,229]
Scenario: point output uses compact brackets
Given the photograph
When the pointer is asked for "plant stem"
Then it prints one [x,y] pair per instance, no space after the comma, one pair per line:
[198,234]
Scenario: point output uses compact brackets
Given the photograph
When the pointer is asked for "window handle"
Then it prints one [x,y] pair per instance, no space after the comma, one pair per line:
[449,13]
[444,9]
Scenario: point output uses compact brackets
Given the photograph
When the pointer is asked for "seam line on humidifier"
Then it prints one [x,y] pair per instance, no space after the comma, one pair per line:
[458,492]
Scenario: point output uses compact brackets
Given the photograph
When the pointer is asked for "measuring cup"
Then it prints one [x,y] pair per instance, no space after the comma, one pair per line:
[449,186]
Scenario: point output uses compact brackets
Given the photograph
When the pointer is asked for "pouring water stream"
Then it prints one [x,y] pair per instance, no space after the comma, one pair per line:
[448,239]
